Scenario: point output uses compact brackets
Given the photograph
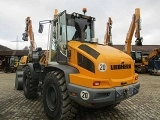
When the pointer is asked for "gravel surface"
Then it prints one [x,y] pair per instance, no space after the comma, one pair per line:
[143,106]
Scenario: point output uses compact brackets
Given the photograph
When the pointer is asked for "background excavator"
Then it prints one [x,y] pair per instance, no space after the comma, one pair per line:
[78,71]
[11,64]
[29,33]
[35,54]
[136,55]
[154,61]
[108,34]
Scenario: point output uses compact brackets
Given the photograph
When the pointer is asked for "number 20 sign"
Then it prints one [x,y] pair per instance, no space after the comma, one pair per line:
[84,95]
[102,67]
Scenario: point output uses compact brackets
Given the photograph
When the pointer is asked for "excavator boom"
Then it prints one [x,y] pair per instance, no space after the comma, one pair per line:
[29,33]
[134,26]
[108,35]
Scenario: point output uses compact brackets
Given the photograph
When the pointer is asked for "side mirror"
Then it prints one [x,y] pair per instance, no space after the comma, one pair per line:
[40,30]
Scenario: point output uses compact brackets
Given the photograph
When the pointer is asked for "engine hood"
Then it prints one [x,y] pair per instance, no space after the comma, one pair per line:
[96,50]
[109,63]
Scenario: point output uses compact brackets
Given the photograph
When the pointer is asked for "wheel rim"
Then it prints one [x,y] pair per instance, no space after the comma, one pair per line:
[51,98]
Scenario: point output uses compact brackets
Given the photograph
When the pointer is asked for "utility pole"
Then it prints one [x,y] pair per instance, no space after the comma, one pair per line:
[17,47]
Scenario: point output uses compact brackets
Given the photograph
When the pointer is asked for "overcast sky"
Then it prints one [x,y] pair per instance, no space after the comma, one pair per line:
[14,12]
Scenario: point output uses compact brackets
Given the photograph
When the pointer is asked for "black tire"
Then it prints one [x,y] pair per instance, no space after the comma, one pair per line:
[139,70]
[5,70]
[56,101]
[151,73]
[30,85]
[19,80]
[12,70]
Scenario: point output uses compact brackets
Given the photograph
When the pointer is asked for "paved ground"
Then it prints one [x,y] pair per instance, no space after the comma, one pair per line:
[144,106]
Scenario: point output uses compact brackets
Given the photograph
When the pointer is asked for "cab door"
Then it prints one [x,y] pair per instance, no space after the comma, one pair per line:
[62,39]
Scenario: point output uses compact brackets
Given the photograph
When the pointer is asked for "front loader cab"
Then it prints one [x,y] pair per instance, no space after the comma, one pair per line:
[140,66]
[73,26]
[137,56]
[67,27]
[82,26]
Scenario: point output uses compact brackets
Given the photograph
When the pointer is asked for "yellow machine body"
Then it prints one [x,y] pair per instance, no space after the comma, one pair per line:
[78,70]
[119,67]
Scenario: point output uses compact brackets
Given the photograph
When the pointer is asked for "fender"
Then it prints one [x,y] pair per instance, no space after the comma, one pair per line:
[67,69]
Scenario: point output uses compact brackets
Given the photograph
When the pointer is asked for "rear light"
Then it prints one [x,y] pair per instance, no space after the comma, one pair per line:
[96,83]
[73,93]
[136,78]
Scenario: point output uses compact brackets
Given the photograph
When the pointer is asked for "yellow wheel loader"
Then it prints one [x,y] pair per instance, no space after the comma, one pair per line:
[79,71]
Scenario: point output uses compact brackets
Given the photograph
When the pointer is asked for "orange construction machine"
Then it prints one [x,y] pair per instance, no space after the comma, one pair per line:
[154,61]
[136,55]
[79,71]
[35,54]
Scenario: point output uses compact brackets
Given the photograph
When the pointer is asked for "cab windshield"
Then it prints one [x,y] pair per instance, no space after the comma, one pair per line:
[71,32]
[79,28]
